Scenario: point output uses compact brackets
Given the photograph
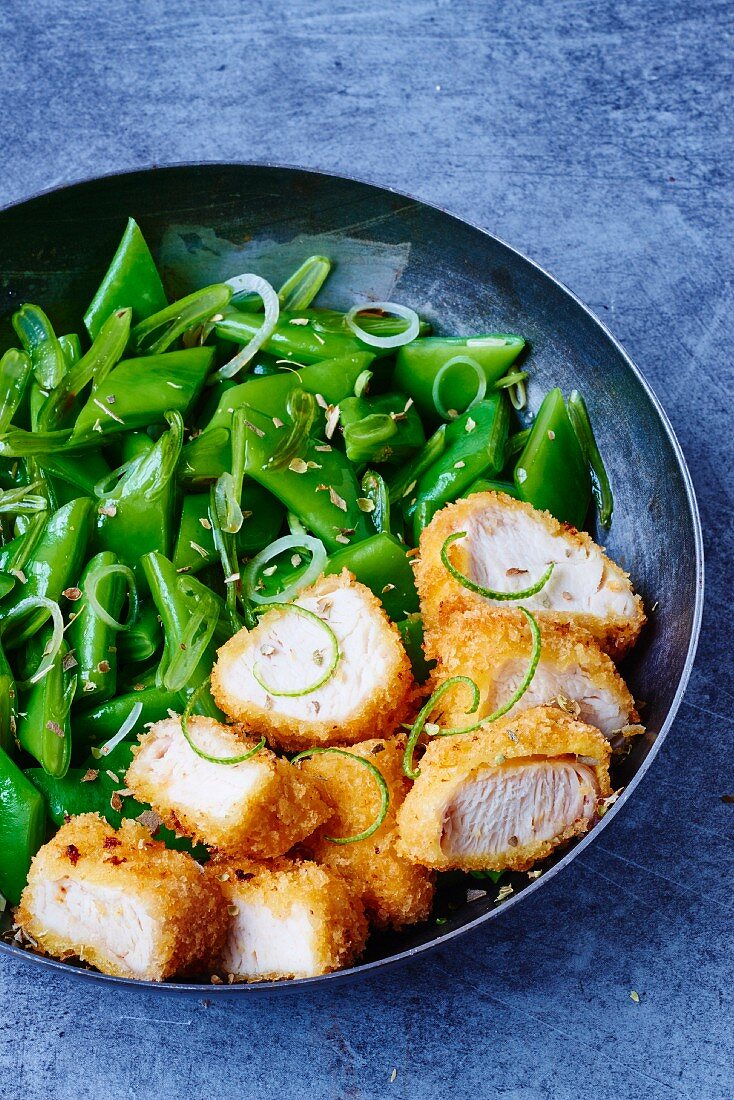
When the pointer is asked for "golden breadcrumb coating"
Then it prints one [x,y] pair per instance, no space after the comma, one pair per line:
[258,808]
[121,901]
[493,647]
[371,690]
[505,796]
[395,892]
[288,919]
[508,546]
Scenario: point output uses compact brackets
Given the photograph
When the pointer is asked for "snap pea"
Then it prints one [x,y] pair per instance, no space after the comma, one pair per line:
[40,342]
[411,633]
[54,563]
[318,484]
[82,474]
[487,485]
[418,363]
[156,333]
[139,392]
[552,473]
[91,638]
[291,339]
[401,485]
[475,445]
[134,444]
[379,429]
[600,486]
[263,517]
[22,828]
[102,721]
[8,704]
[71,346]
[381,564]
[131,280]
[44,729]
[142,639]
[15,373]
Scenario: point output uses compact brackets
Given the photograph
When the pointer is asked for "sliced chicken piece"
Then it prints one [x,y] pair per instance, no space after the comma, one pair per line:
[369,691]
[122,902]
[288,919]
[493,648]
[505,796]
[508,546]
[258,808]
[394,891]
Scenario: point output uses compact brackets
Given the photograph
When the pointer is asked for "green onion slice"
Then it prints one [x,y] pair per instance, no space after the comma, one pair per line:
[302,410]
[188,710]
[329,665]
[512,378]
[523,687]
[90,591]
[177,667]
[361,386]
[104,750]
[54,643]
[294,542]
[251,284]
[379,779]
[155,334]
[409,333]
[457,361]
[417,728]
[227,505]
[490,593]
[375,490]
[600,485]
[301,288]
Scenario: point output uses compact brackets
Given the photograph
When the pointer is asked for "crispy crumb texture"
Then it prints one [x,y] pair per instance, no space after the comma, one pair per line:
[258,808]
[505,796]
[509,544]
[370,691]
[395,891]
[493,646]
[121,901]
[288,919]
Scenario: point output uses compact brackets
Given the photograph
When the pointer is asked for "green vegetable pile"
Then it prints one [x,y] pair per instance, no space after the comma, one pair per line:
[180,467]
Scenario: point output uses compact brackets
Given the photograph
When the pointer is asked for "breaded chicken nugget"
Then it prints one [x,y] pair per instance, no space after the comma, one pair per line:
[288,919]
[505,796]
[264,677]
[395,892]
[493,648]
[257,808]
[508,546]
[121,901]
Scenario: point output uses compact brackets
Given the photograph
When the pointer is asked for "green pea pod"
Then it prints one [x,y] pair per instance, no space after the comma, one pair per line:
[208,456]
[418,363]
[143,639]
[401,485]
[103,720]
[134,444]
[385,428]
[189,614]
[131,281]
[15,373]
[156,333]
[601,488]
[487,485]
[108,346]
[411,632]
[552,473]
[44,729]
[475,445]
[139,392]
[36,334]
[22,828]
[71,346]
[380,563]
[8,704]
[291,339]
[375,492]
[93,640]
[136,516]
[80,473]
[94,788]
[318,485]
[54,564]
[262,514]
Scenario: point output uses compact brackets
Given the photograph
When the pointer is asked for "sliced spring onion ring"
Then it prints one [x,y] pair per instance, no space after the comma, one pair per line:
[253,569]
[518,395]
[177,668]
[294,524]
[362,384]
[107,485]
[417,728]
[248,284]
[522,688]
[188,710]
[379,779]
[104,750]
[301,407]
[490,593]
[458,360]
[330,666]
[90,591]
[54,643]
[409,333]
[301,288]
[511,379]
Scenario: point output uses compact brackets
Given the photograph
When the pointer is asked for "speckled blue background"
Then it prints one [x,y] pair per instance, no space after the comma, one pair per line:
[597,138]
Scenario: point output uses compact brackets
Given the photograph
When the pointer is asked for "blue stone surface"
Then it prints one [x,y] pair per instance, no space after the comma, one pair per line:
[597,138]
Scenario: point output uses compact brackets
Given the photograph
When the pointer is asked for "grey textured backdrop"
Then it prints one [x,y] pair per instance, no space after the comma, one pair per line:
[596,137]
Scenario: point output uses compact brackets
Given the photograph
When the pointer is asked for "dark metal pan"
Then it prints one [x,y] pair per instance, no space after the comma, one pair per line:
[209,221]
